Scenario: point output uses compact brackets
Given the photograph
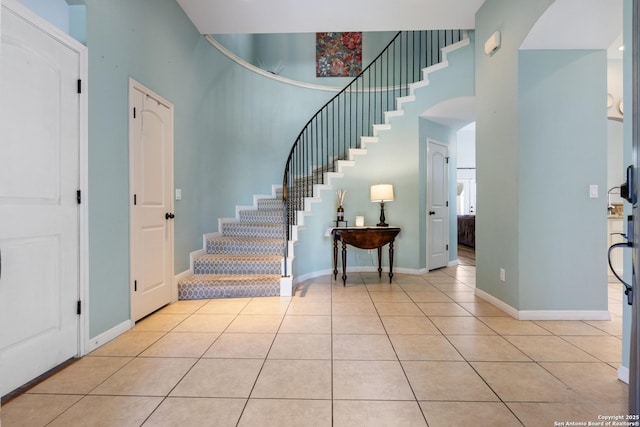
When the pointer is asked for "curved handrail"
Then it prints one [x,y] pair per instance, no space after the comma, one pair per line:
[340,123]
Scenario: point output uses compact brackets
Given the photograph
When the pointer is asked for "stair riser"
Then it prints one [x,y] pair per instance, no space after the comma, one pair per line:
[249,230]
[191,292]
[236,267]
[270,203]
[244,248]
[261,216]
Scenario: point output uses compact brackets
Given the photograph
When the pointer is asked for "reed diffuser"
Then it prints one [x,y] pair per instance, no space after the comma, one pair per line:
[341,193]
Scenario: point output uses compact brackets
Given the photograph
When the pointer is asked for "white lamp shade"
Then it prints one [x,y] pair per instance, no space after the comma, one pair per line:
[382,193]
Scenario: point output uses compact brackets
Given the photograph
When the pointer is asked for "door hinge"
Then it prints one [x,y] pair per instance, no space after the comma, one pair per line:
[134,112]
[447,247]
[135,199]
[447,160]
[79,86]
[79,308]
[447,204]
[135,286]
[79,196]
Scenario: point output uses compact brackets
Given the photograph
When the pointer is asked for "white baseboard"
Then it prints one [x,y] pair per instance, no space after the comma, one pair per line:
[498,303]
[359,269]
[411,271]
[303,277]
[543,314]
[623,374]
[564,315]
[108,335]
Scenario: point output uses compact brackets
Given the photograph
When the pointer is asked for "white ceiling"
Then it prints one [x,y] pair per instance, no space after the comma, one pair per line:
[307,16]
[454,113]
[577,24]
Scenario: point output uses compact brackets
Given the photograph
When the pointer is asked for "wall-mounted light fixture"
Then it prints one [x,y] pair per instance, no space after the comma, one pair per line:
[382,193]
[492,44]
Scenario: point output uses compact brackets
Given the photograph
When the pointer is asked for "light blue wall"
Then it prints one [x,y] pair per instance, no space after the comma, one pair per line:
[541,141]
[231,140]
[69,18]
[297,52]
[54,11]
[562,150]
[398,158]
[497,151]
[78,22]
[231,136]
[241,45]
[153,42]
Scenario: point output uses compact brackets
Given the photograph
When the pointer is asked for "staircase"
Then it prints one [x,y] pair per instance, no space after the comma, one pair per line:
[244,259]
[248,256]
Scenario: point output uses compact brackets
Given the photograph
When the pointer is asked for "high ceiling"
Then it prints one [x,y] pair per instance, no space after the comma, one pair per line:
[567,24]
[306,16]
[597,24]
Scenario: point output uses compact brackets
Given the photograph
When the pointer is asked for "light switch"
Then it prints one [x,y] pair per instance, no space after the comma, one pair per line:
[593,191]
[178,194]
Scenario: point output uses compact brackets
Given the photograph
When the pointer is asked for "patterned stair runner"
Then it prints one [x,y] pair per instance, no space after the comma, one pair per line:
[245,260]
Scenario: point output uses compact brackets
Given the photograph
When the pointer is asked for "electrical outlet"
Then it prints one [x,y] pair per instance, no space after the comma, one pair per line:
[502,275]
[178,194]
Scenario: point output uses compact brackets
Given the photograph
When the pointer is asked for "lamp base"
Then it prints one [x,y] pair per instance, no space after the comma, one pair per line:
[382,219]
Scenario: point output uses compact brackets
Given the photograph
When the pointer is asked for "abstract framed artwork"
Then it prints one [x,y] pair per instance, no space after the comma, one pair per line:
[338,54]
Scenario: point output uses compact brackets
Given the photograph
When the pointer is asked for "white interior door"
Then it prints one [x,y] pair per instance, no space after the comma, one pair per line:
[437,206]
[39,213]
[151,145]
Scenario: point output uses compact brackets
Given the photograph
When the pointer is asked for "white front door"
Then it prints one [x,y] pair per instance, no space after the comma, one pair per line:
[151,147]
[39,214]
[437,206]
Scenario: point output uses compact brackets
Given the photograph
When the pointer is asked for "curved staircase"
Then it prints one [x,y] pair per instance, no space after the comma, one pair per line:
[244,259]
[248,256]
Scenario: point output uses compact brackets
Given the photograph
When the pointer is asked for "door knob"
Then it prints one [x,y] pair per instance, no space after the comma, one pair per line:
[432,213]
[169,215]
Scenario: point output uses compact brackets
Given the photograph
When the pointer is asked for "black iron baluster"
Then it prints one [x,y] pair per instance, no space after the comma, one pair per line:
[323,140]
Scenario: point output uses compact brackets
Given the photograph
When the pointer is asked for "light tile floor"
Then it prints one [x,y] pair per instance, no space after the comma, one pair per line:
[421,351]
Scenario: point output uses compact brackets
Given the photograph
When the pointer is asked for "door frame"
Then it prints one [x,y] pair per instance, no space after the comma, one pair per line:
[135,85]
[429,142]
[83,160]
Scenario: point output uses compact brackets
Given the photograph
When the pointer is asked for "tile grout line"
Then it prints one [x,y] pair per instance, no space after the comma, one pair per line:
[266,356]
[404,372]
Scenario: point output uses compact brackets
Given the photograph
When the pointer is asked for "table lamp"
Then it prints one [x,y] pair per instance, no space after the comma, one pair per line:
[382,193]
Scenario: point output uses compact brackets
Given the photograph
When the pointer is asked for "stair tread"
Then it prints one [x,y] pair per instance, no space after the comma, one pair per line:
[240,257]
[247,239]
[263,210]
[255,224]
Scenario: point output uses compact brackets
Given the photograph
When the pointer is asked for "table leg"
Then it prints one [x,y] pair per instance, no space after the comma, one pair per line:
[380,261]
[344,264]
[335,259]
[390,261]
